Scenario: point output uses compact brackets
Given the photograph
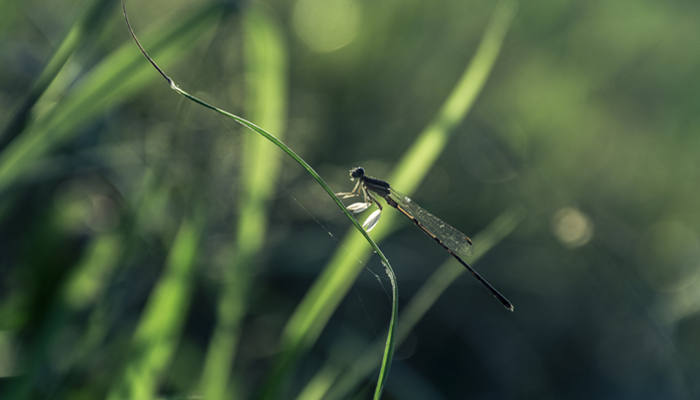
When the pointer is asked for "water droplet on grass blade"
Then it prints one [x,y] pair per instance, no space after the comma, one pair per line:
[358,207]
[372,220]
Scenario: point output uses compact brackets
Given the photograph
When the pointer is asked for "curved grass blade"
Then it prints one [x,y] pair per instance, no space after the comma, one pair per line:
[314,311]
[349,375]
[117,77]
[389,346]
[265,70]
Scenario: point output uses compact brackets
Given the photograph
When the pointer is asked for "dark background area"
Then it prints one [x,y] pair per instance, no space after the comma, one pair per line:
[588,122]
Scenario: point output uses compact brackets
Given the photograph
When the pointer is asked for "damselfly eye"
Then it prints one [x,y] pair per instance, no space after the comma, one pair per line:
[357,172]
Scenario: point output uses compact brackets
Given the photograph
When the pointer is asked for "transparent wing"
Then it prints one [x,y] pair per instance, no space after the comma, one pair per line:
[446,233]
[455,242]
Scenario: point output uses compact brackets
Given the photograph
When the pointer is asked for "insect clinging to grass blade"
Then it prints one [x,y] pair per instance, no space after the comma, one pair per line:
[451,239]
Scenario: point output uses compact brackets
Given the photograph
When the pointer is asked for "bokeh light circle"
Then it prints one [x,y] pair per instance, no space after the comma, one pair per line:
[326,26]
[572,227]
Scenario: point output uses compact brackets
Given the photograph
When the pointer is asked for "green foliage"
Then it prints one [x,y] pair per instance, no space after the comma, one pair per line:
[116,78]
[265,77]
[330,288]
[152,249]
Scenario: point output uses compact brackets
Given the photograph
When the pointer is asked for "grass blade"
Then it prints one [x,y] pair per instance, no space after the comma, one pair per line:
[389,348]
[115,79]
[93,17]
[159,329]
[81,290]
[351,376]
[322,299]
[265,60]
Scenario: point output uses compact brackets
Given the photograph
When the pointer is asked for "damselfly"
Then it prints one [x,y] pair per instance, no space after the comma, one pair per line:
[455,242]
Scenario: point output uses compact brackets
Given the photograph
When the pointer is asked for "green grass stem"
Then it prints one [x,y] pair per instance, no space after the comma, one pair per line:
[350,373]
[91,18]
[266,73]
[280,373]
[314,311]
[118,77]
[81,290]
[160,327]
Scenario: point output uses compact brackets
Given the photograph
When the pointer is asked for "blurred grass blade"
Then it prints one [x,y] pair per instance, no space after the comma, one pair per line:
[81,290]
[92,17]
[266,83]
[104,253]
[279,374]
[416,163]
[159,329]
[116,78]
[426,296]
[322,299]
[88,280]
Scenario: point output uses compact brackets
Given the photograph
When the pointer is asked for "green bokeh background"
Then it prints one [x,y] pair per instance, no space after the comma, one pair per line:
[150,248]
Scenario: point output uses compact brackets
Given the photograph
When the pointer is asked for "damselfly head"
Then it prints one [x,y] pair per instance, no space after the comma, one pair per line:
[357,172]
